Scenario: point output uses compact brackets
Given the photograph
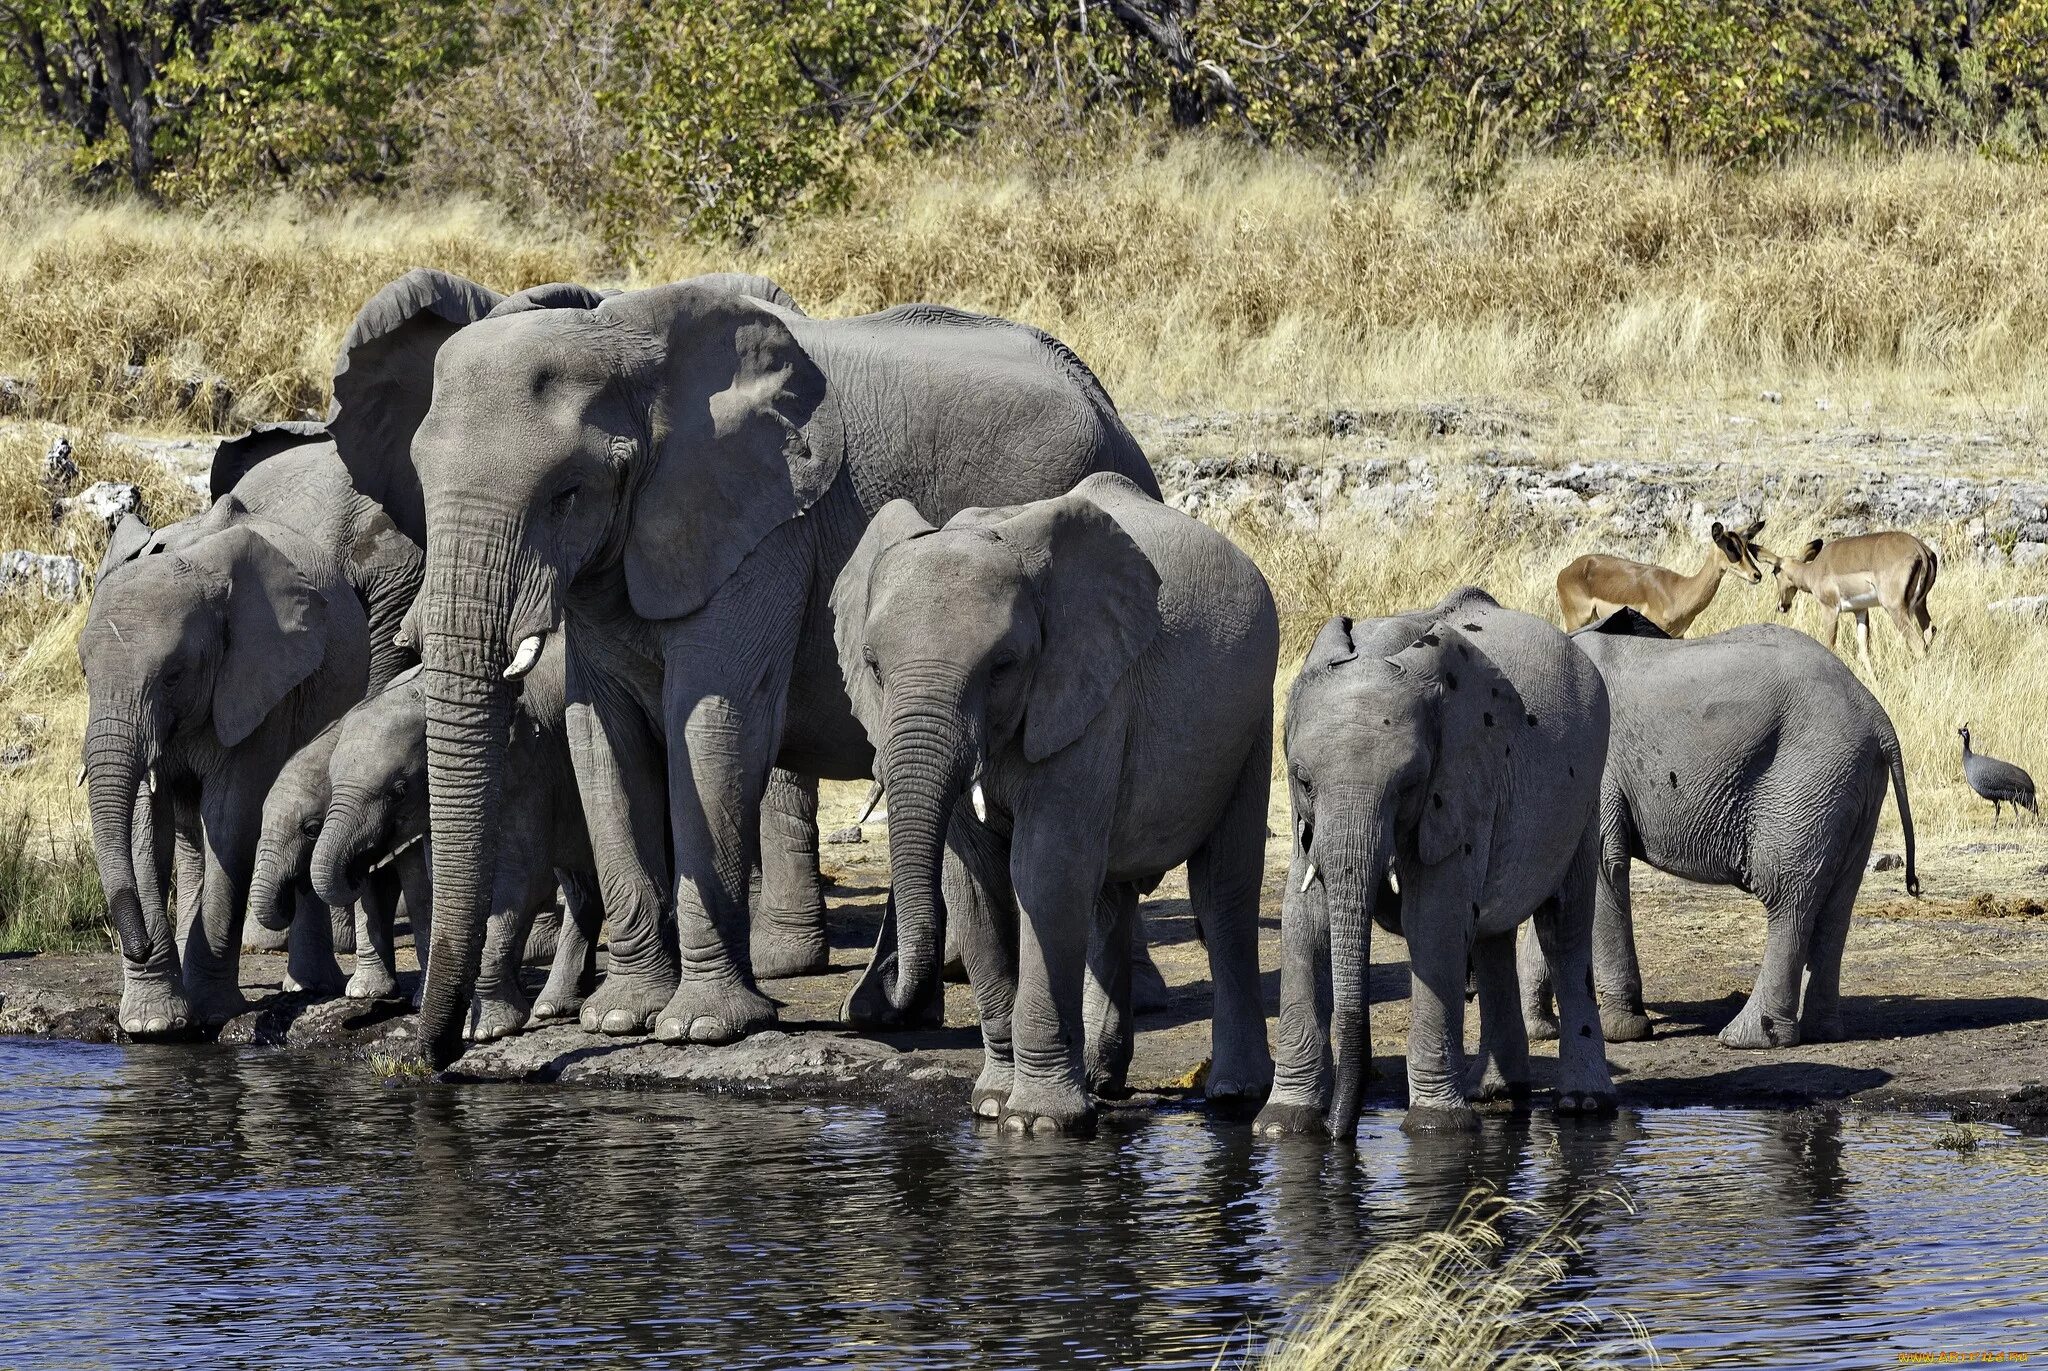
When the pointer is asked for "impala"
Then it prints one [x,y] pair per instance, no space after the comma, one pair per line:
[1855,575]
[1597,584]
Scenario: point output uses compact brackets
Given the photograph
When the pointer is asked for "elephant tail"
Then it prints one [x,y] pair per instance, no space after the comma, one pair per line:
[1896,759]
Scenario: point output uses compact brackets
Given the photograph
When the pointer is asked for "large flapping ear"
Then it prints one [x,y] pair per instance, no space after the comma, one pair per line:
[384,381]
[1624,623]
[744,438]
[1479,714]
[233,457]
[129,537]
[1098,600]
[894,523]
[276,629]
[554,295]
[754,287]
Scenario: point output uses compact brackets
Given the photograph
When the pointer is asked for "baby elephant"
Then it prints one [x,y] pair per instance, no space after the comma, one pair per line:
[1445,769]
[378,813]
[1752,758]
[1093,674]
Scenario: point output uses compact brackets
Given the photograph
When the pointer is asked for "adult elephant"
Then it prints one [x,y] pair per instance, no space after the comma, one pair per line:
[222,645]
[676,477]
[1752,758]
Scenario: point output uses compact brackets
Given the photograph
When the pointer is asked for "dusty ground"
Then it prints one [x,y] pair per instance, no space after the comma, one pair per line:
[1946,1003]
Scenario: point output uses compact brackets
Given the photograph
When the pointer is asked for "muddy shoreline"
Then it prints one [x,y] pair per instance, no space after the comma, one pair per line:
[1945,1002]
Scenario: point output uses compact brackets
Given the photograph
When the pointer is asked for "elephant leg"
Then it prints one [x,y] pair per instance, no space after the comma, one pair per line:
[1106,994]
[310,967]
[1564,928]
[1820,1012]
[188,866]
[1539,1020]
[1057,872]
[1439,925]
[1224,876]
[975,881]
[1302,1066]
[213,941]
[1770,1018]
[619,779]
[1617,974]
[725,685]
[574,970]
[152,991]
[1501,1071]
[376,974]
[787,928]
[416,884]
[342,923]
[524,885]
[541,936]
[1149,994]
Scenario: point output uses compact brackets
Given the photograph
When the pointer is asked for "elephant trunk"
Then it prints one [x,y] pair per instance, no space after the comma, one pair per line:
[268,887]
[118,756]
[336,872]
[464,610]
[1352,854]
[930,759]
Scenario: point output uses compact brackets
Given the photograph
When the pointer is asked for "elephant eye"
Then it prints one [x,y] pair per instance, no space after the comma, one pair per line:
[874,667]
[566,500]
[398,789]
[310,826]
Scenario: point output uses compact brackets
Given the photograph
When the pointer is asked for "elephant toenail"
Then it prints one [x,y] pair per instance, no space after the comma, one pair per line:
[159,1025]
[989,1108]
[705,1029]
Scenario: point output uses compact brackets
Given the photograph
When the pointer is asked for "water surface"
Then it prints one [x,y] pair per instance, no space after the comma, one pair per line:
[172,1206]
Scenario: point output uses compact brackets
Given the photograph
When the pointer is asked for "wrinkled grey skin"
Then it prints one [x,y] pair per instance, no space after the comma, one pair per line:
[378,782]
[1102,666]
[219,648]
[673,478]
[1458,750]
[1752,758]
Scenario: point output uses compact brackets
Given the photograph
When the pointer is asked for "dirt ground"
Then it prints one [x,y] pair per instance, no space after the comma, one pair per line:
[1945,1001]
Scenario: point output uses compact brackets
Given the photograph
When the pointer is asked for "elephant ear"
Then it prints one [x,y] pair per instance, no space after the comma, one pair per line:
[554,295]
[894,524]
[1098,598]
[233,457]
[276,630]
[130,535]
[1479,713]
[410,634]
[745,438]
[384,381]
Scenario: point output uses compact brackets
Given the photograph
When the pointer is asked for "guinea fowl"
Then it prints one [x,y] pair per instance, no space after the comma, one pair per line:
[1998,782]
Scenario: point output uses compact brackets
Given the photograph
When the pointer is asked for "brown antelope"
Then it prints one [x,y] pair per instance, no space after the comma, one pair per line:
[1597,584]
[1856,575]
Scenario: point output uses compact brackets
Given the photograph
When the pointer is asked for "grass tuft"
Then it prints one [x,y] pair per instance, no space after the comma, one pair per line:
[50,897]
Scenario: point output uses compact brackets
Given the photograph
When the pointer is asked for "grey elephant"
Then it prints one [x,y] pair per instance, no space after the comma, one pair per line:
[1445,773]
[378,814]
[671,479]
[1094,671]
[220,647]
[1752,758]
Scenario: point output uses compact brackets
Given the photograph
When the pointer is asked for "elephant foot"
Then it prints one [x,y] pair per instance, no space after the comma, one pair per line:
[625,1004]
[1437,1118]
[1238,1089]
[258,936]
[1587,1104]
[1755,1030]
[215,1005]
[499,1014]
[1064,1124]
[541,937]
[1541,1028]
[372,981]
[782,950]
[1624,1025]
[320,983]
[153,1009]
[557,1002]
[701,1012]
[1493,1089]
[1282,1117]
[1815,1027]
[1106,1084]
[989,1100]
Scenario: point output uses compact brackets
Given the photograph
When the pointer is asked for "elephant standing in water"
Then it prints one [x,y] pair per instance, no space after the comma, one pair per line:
[1096,670]
[1752,758]
[672,479]
[1445,770]
[225,643]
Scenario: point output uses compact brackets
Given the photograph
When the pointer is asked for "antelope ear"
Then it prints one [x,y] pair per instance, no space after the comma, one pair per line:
[276,628]
[1478,713]
[384,381]
[1812,550]
[1754,529]
[745,439]
[894,524]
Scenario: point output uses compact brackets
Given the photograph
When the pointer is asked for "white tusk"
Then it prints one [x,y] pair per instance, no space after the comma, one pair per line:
[149,779]
[874,798]
[81,777]
[523,660]
[395,853]
[980,803]
[1393,881]
[1308,878]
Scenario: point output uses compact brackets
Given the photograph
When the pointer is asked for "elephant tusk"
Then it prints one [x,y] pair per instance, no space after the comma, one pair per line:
[81,778]
[395,853]
[149,779]
[980,803]
[1308,878]
[1393,881]
[874,798]
[524,658]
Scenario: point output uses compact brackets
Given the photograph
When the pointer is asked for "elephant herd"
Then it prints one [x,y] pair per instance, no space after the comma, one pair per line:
[585,591]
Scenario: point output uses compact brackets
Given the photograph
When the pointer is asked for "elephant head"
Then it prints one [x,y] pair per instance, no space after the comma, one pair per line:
[292,815]
[660,434]
[188,649]
[1388,769]
[377,784]
[1008,629]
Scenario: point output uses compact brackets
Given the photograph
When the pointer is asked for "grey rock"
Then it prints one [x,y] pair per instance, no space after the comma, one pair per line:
[15,755]
[2029,554]
[849,834]
[1977,849]
[2021,606]
[31,724]
[61,577]
[105,501]
[16,395]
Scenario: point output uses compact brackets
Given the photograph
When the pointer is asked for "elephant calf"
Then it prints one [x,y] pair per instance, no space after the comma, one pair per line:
[1094,671]
[1752,758]
[378,812]
[1445,771]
